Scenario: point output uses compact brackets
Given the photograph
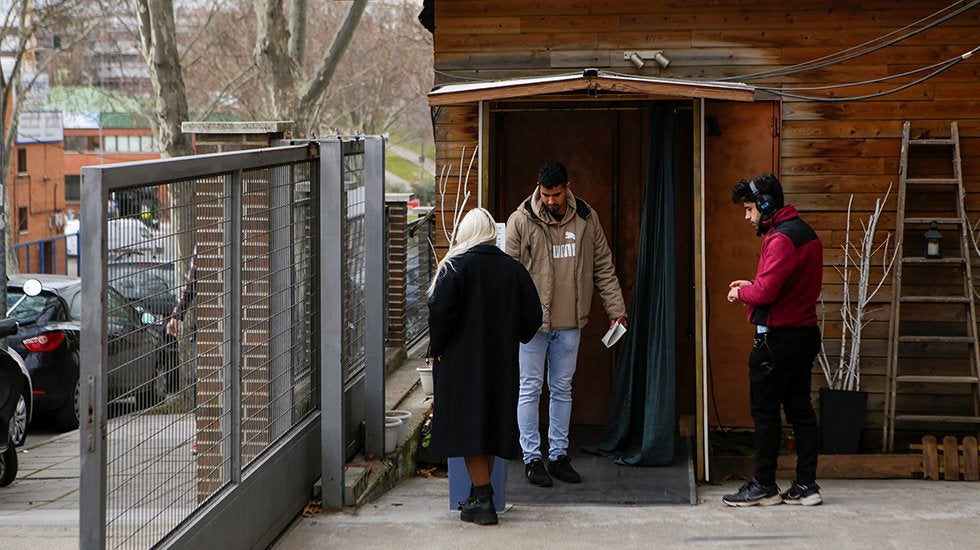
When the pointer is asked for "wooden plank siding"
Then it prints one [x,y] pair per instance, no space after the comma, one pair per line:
[828,151]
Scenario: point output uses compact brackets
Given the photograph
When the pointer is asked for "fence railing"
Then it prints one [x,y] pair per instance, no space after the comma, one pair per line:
[420,266]
[235,353]
[58,255]
[181,406]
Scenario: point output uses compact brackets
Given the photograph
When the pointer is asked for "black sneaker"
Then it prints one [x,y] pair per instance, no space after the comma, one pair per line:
[753,493]
[562,469]
[807,495]
[536,474]
[478,509]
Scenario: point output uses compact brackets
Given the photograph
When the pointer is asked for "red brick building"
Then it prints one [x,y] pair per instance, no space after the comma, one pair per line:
[36,197]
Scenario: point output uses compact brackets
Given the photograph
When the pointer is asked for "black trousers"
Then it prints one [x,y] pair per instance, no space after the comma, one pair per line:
[779,375]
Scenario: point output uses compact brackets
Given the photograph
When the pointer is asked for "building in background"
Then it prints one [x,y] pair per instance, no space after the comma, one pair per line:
[102,138]
[36,188]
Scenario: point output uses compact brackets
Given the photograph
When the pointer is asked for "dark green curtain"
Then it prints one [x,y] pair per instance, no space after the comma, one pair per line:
[641,412]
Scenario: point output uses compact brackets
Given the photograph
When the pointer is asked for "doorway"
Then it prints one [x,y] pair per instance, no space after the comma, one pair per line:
[605,147]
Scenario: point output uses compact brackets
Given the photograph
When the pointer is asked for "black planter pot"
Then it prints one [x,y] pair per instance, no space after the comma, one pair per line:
[841,420]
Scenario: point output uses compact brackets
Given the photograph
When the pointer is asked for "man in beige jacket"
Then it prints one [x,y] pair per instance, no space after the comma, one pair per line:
[559,239]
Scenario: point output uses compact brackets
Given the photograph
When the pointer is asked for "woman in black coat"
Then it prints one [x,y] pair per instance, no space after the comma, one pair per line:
[482,304]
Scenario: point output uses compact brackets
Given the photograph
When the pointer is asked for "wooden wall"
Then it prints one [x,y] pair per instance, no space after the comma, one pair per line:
[829,151]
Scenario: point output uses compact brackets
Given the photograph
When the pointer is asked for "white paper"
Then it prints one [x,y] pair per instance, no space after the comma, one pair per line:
[614,334]
[501,237]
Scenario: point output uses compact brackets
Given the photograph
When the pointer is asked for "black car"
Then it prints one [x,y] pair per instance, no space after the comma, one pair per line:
[12,363]
[149,285]
[48,341]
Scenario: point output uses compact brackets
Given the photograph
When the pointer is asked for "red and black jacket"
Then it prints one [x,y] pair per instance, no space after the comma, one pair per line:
[787,284]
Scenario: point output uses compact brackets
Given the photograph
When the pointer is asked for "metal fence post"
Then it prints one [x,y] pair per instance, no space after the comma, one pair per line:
[232,346]
[374,296]
[93,394]
[332,213]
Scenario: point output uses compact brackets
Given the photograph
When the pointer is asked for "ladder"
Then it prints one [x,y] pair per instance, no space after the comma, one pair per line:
[932,301]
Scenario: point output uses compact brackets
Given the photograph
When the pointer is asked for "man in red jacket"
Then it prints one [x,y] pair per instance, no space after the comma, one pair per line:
[782,304]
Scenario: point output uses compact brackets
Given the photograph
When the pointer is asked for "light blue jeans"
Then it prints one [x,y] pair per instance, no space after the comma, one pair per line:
[560,348]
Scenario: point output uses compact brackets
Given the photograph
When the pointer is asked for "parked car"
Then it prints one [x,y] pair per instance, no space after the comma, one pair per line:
[149,285]
[131,238]
[15,396]
[49,338]
[12,363]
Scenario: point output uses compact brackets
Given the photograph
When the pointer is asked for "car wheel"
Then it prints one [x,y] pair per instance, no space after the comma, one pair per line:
[66,416]
[18,427]
[154,391]
[8,466]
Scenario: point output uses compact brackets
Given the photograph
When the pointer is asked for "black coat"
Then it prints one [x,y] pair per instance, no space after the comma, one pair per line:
[481,308]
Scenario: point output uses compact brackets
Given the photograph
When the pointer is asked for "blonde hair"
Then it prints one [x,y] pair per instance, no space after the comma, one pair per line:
[476,227]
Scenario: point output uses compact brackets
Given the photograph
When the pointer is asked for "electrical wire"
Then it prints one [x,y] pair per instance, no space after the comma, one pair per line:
[832,58]
[450,75]
[950,64]
[884,78]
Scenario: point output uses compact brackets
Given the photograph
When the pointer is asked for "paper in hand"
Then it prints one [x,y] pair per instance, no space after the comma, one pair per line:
[614,334]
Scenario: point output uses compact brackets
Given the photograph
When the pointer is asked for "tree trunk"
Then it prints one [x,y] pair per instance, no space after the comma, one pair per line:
[297,32]
[158,40]
[279,56]
[272,38]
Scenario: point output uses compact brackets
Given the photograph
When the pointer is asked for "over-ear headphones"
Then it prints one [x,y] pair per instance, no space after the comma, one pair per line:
[763,203]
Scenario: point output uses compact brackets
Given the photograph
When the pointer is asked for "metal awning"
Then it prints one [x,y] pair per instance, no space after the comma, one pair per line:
[593,81]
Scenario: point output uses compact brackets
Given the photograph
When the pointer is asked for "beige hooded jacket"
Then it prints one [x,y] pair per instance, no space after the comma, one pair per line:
[529,242]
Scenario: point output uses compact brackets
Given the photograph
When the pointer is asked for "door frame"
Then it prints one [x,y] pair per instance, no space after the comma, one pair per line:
[487,148]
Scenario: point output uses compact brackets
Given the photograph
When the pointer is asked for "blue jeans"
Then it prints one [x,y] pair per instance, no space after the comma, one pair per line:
[560,348]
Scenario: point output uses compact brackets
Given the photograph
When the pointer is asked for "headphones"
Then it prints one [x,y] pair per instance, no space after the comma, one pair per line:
[763,203]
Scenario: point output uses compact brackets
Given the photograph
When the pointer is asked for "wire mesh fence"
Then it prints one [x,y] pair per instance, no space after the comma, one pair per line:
[354,261]
[420,267]
[203,357]
[209,316]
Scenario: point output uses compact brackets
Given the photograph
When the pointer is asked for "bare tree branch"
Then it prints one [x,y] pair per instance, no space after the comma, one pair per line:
[318,82]
[847,374]
[297,32]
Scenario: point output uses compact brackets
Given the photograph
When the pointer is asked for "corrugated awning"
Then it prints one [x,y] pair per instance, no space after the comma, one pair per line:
[593,81]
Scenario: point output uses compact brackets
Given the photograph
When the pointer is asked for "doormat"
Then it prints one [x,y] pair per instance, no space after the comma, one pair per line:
[604,481]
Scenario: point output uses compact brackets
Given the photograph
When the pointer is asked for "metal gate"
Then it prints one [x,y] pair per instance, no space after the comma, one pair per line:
[203,294]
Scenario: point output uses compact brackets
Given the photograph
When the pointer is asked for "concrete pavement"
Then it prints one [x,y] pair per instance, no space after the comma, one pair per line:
[856,514]
[39,510]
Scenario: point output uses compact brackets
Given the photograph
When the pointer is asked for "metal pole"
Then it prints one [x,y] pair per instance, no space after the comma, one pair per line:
[93,394]
[232,427]
[374,293]
[332,213]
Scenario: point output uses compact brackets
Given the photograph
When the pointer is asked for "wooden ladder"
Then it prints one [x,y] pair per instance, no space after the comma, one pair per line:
[916,335]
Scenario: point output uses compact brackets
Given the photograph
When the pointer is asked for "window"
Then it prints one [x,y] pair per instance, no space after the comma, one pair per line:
[110,144]
[146,143]
[77,143]
[73,188]
[22,219]
[21,160]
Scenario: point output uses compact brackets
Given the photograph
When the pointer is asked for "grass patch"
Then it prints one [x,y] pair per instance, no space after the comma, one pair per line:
[402,167]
